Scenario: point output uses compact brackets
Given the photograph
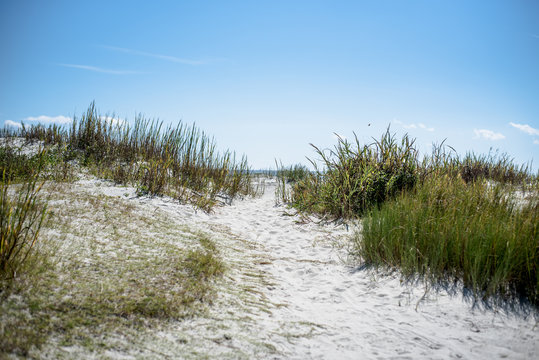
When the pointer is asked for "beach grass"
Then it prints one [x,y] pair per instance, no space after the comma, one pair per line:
[90,286]
[22,211]
[180,161]
[447,231]
[471,219]
[351,178]
[112,270]
[286,177]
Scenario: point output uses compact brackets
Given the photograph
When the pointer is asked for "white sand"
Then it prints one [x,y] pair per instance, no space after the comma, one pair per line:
[289,293]
[21,147]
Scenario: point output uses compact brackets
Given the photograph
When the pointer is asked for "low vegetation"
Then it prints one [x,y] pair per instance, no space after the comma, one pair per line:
[473,220]
[287,176]
[352,177]
[22,212]
[100,267]
[115,271]
[448,231]
[180,161]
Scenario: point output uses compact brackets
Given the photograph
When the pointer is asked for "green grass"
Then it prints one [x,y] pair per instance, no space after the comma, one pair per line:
[99,287]
[351,178]
[444,217]
[449,231]
[18,167]
[286,177]
[293,173]
[22,214]
[180,161]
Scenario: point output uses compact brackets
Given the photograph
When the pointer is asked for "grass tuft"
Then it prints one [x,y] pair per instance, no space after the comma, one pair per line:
[21,217]
[352,177]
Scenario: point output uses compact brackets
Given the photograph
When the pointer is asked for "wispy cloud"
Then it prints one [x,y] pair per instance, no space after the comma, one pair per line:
[13,124]
[157,56]
[526,128]
[536,142]
[414,126]
[488,134]
[100,70]
[44,119]
[425,127]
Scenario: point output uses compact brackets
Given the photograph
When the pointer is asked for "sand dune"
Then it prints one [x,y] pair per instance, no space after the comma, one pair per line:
[291,293]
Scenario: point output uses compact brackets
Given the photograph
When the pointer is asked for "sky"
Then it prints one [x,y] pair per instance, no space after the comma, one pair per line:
[268,78]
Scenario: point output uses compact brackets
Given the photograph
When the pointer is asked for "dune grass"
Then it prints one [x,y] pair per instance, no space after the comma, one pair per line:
[473,219]
[22,211]
[286,177]
[450,231]
[113,270]
[94,290]
[352,177]
[180,161]
[293,173]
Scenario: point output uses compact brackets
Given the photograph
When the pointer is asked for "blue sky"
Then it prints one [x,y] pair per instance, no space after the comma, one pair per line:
[268,78]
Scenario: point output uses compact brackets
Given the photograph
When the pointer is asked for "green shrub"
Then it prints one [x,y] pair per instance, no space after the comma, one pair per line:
[445,218]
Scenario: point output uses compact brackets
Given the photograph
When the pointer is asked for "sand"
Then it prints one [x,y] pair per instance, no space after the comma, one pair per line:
[291,292]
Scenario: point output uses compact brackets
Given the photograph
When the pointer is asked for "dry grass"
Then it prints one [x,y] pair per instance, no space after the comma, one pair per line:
[180,161]
[114,270]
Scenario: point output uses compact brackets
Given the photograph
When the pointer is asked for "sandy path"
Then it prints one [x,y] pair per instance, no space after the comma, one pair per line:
[346,314]
[288,294]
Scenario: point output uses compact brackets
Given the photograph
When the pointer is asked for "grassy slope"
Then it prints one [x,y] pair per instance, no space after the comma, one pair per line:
[105,268]
[102,267]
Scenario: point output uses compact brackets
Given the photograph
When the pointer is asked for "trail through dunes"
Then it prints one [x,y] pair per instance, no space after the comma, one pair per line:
[290,293]
[333,310]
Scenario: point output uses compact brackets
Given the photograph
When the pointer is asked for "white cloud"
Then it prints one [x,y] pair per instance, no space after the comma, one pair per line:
[100,70]
[157,56]
[526,128]
[12,124]
[425,127]
[60,119]
[488,134]
[414,126]
[536,142]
